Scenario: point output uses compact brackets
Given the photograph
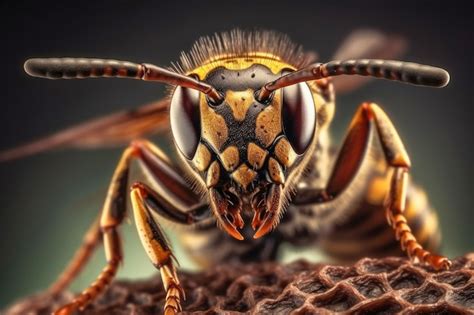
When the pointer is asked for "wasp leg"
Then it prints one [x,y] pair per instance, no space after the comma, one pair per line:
[80,258]
[368,120]
[394,211]
[112,215]
[398,158]
[166,179]
[145,200]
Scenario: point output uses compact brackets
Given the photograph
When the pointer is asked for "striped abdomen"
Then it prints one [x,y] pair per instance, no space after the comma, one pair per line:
[366,232]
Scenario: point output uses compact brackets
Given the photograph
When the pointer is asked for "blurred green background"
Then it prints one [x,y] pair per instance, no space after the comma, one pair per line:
[48,201]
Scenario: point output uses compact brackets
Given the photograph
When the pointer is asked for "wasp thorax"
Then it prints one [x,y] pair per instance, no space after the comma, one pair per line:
[243,149]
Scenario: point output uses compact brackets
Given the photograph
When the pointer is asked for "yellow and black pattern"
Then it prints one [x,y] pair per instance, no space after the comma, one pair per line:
[249,117]
[225,149]
[367,233]
[243,135]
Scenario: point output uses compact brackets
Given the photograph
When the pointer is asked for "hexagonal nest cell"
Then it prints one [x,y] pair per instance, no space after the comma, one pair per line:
[370,286]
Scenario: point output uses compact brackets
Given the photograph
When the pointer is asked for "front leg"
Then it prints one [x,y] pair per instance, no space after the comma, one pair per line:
[395,206]
[370,120]
[112,216]
[166,178]
[144,202]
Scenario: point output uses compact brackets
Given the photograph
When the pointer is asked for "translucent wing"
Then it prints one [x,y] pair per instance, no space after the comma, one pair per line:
[370,44]
[115,129]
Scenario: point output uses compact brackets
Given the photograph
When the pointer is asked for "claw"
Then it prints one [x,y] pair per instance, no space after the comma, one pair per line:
[266,226]
[227,210]
[266,204]
[230,228]
[259,208]
[266,213]
[438,262]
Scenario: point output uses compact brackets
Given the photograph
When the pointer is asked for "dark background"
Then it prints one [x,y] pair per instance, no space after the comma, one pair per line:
[47,201]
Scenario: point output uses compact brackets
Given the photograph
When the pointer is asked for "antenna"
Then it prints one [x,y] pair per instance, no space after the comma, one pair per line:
[82,68]
[407,72]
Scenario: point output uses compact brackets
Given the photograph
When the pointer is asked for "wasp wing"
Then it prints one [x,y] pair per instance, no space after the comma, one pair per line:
[115,129]
[366,43]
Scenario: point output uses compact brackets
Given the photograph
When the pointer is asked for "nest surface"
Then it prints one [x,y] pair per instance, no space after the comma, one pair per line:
[371,286]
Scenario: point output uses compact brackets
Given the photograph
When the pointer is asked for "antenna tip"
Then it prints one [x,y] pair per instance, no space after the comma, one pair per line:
[444,78]
[433,76]
[34,67]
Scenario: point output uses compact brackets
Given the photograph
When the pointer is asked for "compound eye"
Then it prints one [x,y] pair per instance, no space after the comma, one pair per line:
[299,116]
[185,120]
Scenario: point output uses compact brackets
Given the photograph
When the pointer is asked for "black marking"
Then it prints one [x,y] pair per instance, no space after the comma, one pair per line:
[98,72]
[241,133]
[253,78]
[114,71]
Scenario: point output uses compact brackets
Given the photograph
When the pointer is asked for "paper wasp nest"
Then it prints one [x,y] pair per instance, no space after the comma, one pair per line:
[371,286]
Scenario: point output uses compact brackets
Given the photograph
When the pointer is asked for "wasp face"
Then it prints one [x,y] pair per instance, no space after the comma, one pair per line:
[248,153]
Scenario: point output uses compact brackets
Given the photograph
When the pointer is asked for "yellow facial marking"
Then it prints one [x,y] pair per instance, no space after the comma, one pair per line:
[269,122]
[256,156]
[214,128]
[244,176]
[202,158]
[213,175]
[285,153]
[232,62]
[239,102]
[230,158]
[275,171]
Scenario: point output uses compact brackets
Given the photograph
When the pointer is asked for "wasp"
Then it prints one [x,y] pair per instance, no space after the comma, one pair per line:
[249,114]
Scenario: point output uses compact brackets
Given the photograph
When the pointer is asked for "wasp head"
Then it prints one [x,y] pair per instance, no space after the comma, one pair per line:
[248,153]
